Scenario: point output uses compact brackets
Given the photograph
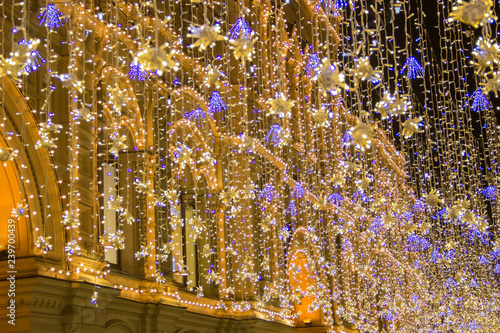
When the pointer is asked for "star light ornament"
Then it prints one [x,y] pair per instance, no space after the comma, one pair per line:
[243,47]
[432,199]
[7,154]
[321,118]
[280,106]
[331,79]
[85,114]
[119,143]
[486,53]
[72,249]
[205,36]
[392,106]
[365,72]
[15,65]
[492,84]
[197,227]
[43,243]
[475,13]
[362,135]
[213,76]
[21,210]
[183,155]
[70,81]
[411,126]
[156,59]
[70,220]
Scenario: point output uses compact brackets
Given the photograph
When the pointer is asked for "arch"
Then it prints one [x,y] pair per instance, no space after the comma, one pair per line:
[300,275]
[35,168]
[118,326]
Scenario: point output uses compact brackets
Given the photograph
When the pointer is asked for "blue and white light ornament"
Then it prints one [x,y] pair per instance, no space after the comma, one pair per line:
[51,17]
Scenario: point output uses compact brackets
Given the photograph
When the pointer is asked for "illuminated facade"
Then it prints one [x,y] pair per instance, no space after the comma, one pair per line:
[185,192]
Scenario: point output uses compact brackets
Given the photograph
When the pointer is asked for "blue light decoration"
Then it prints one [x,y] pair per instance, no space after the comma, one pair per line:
[413,68]
[495,254]
[490,193]
[273,136]
[313,66]
[479,101]
[436,256]
[336,198]
[474,284]
[483,260]
[34,60]
[347,138]
[136,72]
[359,195]
[298,191]
[240,29]
[417,243]
[450,283]
[292,209]
[268,193]
[419,206]
[475,234]
[196,114]
[497,271]
[339,4]
[377,225]
[216,104]
[50,17]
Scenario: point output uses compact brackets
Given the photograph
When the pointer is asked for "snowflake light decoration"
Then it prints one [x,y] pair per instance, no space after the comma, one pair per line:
[281,107]
[479,101]
[205,35]
[51,17]
[413,69]
[474,13]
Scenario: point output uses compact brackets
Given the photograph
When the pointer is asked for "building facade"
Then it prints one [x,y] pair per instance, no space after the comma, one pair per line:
[205,177]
